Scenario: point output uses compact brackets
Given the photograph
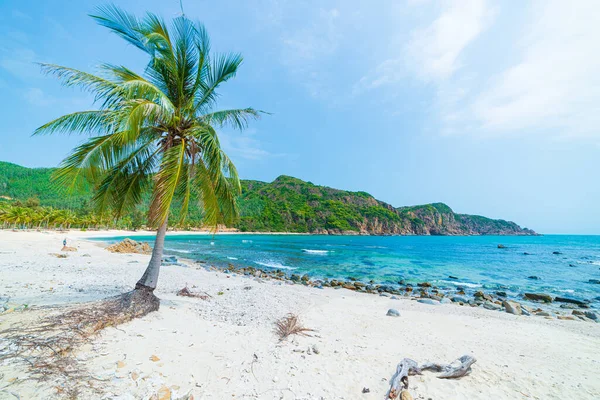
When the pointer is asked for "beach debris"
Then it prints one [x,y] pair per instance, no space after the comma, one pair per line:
[186,292]
[67,248]
[130,246]
[366,390]
[405,395]
[57,255]
[164,393]
[392,312]
[546,298]
[399,382]
[290,325]
[154,358]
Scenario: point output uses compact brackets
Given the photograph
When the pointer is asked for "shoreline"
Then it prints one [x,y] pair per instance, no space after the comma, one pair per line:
[499,299]
[224,346]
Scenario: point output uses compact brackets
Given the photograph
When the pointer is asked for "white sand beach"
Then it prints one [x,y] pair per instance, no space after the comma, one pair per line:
[225,347]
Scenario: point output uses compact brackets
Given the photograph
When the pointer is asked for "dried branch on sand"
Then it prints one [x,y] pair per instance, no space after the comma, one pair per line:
[406,367]
[290,325]
[46,345]
[186,292]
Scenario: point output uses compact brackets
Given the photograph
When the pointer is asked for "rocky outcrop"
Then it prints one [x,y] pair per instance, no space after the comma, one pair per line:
[130,246]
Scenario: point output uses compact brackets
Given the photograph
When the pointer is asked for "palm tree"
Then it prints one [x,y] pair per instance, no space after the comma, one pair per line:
[155,131]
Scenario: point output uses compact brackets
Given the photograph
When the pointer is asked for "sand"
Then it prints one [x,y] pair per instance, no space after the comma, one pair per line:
[225,347]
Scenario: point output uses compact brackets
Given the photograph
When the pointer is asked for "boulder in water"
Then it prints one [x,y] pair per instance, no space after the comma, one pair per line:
[580,303]
[546,298]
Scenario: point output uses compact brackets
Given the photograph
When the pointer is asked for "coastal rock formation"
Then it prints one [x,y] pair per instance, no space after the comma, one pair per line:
[292,205]
[130,246]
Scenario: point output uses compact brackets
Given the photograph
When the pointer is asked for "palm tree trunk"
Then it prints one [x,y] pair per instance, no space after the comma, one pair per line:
[149,280]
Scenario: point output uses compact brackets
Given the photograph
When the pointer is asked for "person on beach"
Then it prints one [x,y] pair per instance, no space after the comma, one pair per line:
[65,242]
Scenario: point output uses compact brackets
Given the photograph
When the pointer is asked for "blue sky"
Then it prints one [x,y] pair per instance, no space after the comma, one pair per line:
[491,107]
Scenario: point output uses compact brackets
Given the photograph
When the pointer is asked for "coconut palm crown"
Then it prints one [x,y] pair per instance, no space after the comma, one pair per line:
[154,131]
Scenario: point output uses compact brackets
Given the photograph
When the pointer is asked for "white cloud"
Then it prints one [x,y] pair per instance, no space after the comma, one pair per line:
[244,145]
[37,97]
[555,85]
[433,52]
[20,62]
[535,73]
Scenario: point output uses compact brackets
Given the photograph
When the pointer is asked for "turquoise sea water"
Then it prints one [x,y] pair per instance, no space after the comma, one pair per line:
[476,261]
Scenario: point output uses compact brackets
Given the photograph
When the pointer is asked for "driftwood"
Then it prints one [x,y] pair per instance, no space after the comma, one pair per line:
[406,367]
[456,369]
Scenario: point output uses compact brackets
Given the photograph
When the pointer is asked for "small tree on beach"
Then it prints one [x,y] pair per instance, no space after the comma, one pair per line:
[155,131]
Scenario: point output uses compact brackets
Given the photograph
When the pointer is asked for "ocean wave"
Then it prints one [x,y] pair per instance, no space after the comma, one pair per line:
[465,284]
[246,241]
[311,251]
[588,262]
[272,264]
[232,258]
[179,250]
[376,247]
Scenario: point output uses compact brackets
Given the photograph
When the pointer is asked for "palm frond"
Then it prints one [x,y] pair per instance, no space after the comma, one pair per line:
[123,24]
[173,167]
[221,69]
[237,118]
[92,121]
[102,89]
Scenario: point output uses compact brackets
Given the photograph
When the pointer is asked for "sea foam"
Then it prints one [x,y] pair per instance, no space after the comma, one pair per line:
[179,250]
[311,251]
[273,264]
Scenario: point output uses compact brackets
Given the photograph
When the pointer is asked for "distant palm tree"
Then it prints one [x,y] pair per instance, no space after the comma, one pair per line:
[155,131]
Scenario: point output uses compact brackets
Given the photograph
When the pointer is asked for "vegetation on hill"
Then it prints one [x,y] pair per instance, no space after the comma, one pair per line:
[285,205]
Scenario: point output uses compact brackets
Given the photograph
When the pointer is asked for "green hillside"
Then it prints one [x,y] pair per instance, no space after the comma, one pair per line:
[285,205]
